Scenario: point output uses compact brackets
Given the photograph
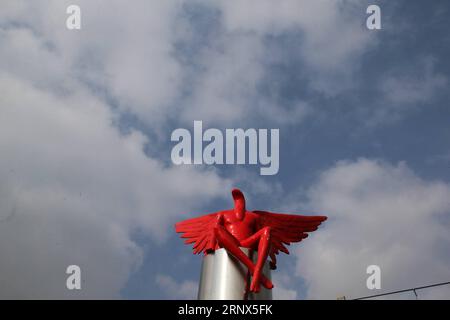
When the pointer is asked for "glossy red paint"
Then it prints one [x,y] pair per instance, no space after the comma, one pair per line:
[266,232]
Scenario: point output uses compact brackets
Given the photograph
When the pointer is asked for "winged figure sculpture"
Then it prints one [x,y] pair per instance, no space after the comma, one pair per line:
[266,232]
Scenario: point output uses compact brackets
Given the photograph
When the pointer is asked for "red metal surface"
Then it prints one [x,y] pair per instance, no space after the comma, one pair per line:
[263,231]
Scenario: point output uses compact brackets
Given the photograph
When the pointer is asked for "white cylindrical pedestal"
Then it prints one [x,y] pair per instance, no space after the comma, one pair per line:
[223,277]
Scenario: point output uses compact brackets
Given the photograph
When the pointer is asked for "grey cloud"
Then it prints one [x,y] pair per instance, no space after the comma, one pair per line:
[176,290]
[407,90]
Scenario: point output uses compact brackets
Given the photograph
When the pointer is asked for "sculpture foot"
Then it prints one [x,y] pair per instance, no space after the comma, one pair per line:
[266,282]
[256,280]
[254,287]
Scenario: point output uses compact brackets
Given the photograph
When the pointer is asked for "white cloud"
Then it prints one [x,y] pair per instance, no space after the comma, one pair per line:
[124,48]
[128,50]
[229,83]
[378,214]
[333,33]
[174,290]
[73,189]
[233,64]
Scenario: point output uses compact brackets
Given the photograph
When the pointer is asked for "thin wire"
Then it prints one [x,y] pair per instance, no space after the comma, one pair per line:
[405,290]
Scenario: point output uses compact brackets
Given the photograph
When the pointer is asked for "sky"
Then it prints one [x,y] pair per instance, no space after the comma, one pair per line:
[86,117]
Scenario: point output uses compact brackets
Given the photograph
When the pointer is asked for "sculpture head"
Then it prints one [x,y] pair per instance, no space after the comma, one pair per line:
[239,203]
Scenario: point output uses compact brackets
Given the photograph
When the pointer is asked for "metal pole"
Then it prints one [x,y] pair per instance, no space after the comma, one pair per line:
[223,277]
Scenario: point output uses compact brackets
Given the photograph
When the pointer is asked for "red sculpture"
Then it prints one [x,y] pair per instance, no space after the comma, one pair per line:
[263,231]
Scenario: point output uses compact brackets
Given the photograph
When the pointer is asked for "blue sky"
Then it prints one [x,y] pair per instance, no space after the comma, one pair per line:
[87,115]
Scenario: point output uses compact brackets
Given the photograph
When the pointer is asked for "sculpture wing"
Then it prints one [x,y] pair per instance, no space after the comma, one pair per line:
[285,229]
[199,232]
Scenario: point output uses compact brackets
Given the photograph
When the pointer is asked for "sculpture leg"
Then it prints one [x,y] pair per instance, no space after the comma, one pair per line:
[227,241]
[262,237]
